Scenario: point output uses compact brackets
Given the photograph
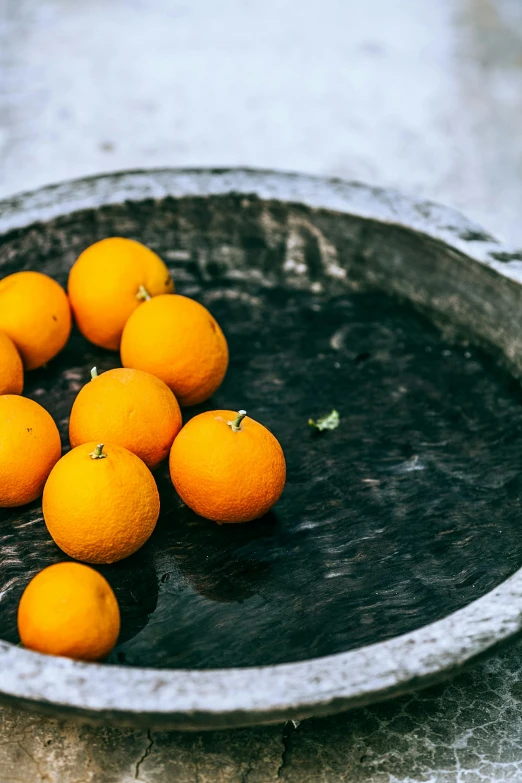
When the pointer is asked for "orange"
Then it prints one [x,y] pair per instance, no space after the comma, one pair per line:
[11,367]
[128,407]
[29,448]
[100,503]
[35,314]
[108,282]
[179,341]
[69,609]
[227,467]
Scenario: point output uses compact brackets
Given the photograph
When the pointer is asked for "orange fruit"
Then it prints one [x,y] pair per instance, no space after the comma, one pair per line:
[108,282]
[227,467]
[128,407]
[11,367]
[100,503]
[69,609]
[35,314]
[29,448]
[179,341]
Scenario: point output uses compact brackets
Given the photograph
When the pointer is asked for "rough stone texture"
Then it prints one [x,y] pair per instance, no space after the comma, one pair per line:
[464,732]
[37,750]
[467,731]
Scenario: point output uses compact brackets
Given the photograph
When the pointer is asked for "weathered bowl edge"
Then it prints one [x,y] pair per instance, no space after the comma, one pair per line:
[238,697]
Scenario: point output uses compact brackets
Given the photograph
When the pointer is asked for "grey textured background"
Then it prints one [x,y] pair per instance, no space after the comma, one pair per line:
[420,95]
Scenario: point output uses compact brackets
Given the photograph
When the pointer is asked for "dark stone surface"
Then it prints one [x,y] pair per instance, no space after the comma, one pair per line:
[405,513]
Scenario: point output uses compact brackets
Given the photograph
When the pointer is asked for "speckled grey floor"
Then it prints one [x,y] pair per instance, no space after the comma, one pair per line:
[422,96]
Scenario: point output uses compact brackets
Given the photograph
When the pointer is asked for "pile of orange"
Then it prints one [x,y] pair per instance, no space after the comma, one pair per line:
[100,500]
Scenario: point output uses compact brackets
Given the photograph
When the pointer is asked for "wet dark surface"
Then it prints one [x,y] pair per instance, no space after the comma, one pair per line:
[409,510]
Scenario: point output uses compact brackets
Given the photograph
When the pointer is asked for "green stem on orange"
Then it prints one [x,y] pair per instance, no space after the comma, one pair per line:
[98,452]
[236,424]
[143,295]
[94,373]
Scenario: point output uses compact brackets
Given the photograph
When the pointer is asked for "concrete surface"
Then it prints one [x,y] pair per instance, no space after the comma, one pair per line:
[465,732]
[420,95]
[414,94]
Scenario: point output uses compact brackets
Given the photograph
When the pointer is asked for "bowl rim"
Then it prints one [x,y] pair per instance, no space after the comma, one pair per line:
[217,698]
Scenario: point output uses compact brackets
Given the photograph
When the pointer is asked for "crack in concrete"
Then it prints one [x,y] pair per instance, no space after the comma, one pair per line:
[289,730]
[145,755]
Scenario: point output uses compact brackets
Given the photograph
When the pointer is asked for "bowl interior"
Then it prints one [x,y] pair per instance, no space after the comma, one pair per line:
[409,510]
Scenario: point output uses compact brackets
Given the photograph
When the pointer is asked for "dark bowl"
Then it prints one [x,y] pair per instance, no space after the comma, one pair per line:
[393,558]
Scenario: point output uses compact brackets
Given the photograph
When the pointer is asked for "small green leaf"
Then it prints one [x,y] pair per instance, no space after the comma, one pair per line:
[330,422]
